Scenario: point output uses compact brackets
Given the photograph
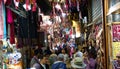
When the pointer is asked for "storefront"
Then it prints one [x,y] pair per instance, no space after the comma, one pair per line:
[96,32]
[112,26]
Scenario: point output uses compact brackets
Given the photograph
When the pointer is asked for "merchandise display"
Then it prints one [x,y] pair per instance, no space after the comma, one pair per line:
[10,56]
[115,49]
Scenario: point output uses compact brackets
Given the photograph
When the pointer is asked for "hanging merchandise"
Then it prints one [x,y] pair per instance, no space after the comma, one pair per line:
[9,16]
[116,33]
[2,20]
[34,7]
[11,57]
[10,20]
[16,2]
[116,49]
[27,5]
[19,10]
[73,7]
[12,35]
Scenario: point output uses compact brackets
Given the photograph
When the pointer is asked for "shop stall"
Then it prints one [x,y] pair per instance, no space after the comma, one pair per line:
[11,57]
[112,22]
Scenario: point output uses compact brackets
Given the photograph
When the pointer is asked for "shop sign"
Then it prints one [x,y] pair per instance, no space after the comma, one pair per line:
[116,33]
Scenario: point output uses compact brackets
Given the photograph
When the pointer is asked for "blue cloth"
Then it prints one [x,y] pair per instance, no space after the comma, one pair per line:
[4,15]
[59,65]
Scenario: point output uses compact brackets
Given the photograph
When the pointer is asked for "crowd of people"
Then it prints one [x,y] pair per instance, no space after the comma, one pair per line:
[71,58]
[67,56]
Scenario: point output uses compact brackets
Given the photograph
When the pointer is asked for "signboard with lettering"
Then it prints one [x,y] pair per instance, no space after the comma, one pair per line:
[116,33]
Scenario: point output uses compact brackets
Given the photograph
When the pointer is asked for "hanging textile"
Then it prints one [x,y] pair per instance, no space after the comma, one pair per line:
[73,7]
[9,16]
[10,20]
[2,20]
[19,11]
[12,34]
[27,5]
[0,1]
[4,16]
[16,2]
[34,7]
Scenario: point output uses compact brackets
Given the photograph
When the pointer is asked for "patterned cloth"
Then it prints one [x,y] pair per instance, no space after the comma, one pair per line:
[116,64]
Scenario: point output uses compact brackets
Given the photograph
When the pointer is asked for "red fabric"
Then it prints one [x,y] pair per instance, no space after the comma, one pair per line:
[8,2]
[0,1]
[67,4]
[9,16]
[17,0]
[34,5]
[27,3]
[12,36]
[70,32]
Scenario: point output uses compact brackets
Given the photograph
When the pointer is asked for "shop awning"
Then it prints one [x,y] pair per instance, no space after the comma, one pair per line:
[114,8]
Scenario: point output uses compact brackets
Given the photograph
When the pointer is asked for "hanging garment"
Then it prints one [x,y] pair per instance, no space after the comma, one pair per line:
[9,16]
[10,20]
[19,11]
[34,7]
[27,5]
[28,26]
[1,20]
[12,34]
